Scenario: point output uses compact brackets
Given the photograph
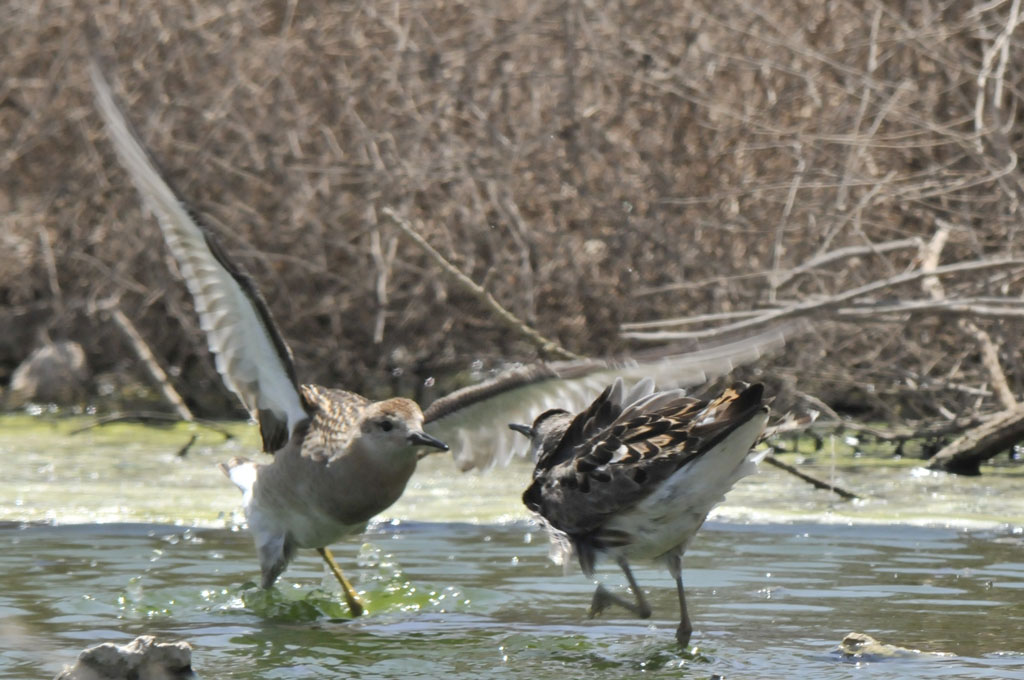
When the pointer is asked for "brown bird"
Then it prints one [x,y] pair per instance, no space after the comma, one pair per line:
[339,459]
[635,474]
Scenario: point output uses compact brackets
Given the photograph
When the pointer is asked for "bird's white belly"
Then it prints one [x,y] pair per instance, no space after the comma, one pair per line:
[316,530]
[655,530]
[306,524]
[667,519]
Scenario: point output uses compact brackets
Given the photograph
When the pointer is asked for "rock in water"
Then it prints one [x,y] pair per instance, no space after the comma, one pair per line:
[54,373]
[863,647]
[141,659]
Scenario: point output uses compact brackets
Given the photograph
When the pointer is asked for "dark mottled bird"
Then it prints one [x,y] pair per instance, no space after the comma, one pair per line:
[633,477]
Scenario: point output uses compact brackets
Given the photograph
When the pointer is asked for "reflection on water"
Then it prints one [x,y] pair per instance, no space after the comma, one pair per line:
[461,600]
[461,586]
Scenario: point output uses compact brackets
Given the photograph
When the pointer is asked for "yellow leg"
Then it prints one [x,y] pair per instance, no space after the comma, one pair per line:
[347,590]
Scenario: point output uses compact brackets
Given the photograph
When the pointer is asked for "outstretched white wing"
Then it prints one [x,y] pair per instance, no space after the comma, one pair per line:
[474,420]
[251,356]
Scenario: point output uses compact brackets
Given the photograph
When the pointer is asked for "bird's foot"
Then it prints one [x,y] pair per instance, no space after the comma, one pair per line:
[354,605]
[683,634]
[602,598]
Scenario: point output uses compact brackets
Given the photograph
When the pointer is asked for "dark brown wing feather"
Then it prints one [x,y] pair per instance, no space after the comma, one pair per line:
[593,420]
[603,467]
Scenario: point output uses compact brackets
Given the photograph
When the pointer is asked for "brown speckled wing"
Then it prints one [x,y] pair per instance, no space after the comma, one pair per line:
[609,466]
[336,418]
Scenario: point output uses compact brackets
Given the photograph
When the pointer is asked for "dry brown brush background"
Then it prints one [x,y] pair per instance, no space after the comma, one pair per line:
[591,164]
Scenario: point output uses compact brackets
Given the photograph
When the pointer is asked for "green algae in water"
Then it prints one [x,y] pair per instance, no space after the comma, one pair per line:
[129,472]
[293,605]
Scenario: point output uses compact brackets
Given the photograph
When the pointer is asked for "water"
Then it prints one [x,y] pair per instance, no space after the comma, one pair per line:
[773,583]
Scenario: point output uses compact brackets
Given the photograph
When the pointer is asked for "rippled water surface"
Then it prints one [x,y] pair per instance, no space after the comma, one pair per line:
[110,535]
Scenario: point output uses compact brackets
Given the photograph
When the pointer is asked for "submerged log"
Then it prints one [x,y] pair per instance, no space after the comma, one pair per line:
[996,434]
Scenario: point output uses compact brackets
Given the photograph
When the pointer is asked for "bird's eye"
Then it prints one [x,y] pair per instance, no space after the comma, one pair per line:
[385,425]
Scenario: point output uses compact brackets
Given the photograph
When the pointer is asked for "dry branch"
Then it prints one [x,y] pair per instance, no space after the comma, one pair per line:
[810,479]
[997,434]
[828,304]
[547,347]
[145,355]
[785,276]
[994,308]
[930,254]
[150,418]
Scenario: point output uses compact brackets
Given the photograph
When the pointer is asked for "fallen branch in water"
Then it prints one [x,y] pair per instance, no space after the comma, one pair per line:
[791,425]
[151,418]
[813,481]
[996,434]
[148,360]
[183,451]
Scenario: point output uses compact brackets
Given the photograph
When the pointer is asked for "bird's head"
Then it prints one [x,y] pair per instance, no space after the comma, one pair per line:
[546,431]
[396,424]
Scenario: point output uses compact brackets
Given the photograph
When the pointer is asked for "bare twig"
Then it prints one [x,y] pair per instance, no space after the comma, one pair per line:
[149,361]
[690,320]
[998,49]
[930,255]
[839,254]
[51,271]
[780,227]
[151,418]
[829,303]
[830,258]
[813,481]
[383,261]
[882,312]
[546,346]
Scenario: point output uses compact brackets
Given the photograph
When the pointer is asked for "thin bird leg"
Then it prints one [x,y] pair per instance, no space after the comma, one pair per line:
[603,597]
[347,590]
[685,629]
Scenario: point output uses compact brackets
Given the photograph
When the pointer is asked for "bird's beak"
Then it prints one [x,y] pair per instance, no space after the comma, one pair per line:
[424,439]
[521,429]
